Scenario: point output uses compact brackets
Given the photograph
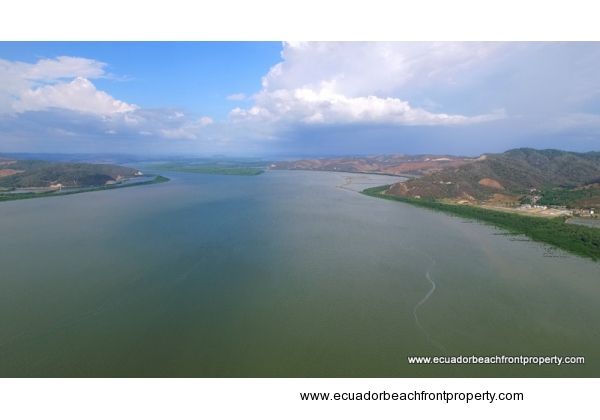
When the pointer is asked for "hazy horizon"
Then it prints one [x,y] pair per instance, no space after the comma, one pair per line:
[265,157]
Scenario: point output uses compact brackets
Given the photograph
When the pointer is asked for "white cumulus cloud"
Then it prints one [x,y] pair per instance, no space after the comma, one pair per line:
[62,82]
[376,68]
[78,95]
[344,83]
[326,106]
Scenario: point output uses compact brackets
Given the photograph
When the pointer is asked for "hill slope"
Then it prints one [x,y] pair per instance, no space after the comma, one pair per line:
[512,175]
[38,173]
[383,164]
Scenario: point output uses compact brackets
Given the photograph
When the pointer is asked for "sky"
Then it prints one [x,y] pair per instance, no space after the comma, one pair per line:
[297,98]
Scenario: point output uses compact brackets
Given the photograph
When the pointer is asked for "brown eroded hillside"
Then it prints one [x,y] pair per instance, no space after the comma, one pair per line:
[509,177]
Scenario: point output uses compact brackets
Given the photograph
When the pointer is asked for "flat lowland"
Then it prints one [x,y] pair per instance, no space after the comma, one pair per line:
[209,169]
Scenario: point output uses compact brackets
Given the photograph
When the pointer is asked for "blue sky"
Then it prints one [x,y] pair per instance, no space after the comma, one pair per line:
[255,98]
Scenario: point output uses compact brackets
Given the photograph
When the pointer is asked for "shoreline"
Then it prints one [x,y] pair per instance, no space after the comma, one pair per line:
[576,239]
[158,179]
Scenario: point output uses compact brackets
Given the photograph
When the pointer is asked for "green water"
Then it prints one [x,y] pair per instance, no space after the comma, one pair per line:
[282,274]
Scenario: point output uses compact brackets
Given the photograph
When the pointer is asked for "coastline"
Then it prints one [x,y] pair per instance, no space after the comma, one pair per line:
[576,239]
[158,179]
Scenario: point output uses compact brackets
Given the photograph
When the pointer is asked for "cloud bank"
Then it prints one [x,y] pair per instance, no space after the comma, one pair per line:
[345,83]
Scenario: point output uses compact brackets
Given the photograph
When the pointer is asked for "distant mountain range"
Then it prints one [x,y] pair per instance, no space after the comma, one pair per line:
[382,164]
[39,173]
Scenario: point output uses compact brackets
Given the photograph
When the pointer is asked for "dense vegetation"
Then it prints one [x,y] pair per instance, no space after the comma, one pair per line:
[570,197]
[577,239]
[209,169]
[23,196]
[39,173]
